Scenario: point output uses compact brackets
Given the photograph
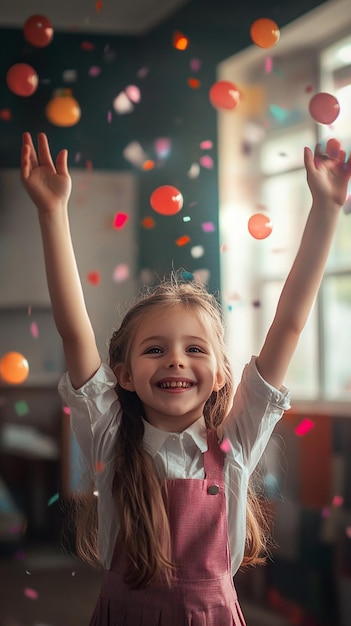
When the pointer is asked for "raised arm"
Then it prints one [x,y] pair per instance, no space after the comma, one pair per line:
[327,176]
[49,187]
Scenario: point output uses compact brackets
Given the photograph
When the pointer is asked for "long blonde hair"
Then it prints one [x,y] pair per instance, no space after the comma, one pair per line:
[137,489]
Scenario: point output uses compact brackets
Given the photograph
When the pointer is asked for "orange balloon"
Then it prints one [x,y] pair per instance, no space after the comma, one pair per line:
[224,95]
[22,79]
[265,32]
[324,108]
[14,368]
[63,110]
[38,31]
[260,226]
[166,200]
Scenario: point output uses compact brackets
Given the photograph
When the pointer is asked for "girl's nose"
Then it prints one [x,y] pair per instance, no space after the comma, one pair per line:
[175,359]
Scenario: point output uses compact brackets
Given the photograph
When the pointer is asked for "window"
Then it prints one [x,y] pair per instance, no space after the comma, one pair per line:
[261,170]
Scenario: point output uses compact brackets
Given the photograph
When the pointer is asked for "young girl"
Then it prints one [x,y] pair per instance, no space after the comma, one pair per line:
[176,513]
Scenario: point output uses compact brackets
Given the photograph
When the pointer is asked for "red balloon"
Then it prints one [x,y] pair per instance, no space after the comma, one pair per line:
[224,95]
[38,31]
[166,200]
[260,226]
[265,32]
[22,79]
[324,108]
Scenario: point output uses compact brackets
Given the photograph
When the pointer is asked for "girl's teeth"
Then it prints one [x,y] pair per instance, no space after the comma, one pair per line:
[174,384]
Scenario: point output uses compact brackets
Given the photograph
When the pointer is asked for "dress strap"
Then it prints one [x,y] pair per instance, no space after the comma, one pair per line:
[213,457]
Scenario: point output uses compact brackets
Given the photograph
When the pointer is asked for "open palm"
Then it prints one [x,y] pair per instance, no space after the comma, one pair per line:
[48,184]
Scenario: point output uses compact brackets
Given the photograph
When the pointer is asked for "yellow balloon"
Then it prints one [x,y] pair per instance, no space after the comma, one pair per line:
[14,368]
[63,110]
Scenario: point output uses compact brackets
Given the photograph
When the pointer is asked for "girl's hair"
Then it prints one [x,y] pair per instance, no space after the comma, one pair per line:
[137,488]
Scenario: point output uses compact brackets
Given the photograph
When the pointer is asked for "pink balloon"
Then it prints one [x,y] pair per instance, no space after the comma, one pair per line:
[324,108]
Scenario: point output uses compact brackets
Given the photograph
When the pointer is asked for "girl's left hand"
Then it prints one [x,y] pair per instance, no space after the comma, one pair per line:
[328,173]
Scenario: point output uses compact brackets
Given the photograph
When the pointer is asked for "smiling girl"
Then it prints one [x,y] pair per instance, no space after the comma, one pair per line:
[176,514]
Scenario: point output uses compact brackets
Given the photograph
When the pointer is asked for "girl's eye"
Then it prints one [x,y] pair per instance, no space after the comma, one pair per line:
[153,350]
[194,349]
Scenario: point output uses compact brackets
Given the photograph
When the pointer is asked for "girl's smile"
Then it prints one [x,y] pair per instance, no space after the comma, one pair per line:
[174,372]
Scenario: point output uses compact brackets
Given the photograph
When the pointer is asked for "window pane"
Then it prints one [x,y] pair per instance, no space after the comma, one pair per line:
[302,376]
[287,200]
[337,336]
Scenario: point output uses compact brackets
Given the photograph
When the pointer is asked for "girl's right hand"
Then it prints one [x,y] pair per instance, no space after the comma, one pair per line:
[48,185]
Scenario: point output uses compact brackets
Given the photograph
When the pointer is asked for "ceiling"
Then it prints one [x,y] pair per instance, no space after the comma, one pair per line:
[122,17]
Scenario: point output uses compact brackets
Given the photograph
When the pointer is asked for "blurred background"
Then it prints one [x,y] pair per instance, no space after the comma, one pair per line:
[126,88]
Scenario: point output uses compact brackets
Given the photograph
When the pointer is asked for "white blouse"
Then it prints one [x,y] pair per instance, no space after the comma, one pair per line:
[96,414]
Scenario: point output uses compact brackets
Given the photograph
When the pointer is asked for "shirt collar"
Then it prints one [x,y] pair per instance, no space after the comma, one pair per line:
[154,438]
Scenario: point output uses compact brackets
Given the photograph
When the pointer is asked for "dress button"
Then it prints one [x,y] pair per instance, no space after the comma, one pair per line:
[213,490]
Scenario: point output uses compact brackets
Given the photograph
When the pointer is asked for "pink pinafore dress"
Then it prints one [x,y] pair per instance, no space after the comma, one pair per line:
[202,592]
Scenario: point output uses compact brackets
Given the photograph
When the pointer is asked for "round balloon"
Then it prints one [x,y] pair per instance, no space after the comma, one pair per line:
[166,200]
[260,226]
[224,95]
[38,31]
[14,368]
[22,79]
[324,108]
[265,32]
[63,110]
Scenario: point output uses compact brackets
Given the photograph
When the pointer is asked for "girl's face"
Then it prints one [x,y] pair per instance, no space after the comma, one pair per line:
[173,367]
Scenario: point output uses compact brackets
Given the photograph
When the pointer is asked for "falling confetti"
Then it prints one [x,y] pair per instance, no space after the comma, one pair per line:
[121,273]
[180,41]
[225,446]
[21,408]
[197,252]
[53,499]
[120,220]
[195,65]
[148,222]
[32,594]
[182,241]
[207,144]
[194,83]
[304,427]
[208,227]
[206,162]
[34,331]
[94,277]
[337,501]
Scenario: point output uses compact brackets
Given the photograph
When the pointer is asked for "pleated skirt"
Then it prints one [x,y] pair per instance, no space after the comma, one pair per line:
[187,603]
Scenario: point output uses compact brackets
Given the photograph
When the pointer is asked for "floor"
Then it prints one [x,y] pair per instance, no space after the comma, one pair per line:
[43,587]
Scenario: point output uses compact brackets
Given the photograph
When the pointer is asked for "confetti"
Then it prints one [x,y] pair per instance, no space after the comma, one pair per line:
[32,594]
[122,104]
[182,241]
[207,162]
[121,273]
[133,93]
[207,144]
[120,220]
[194,83]
[180,41]
[268,65]
[148,222]
[21,408]
[53,499]
[225,446]
[99,466]
[93,277]
[66,410]
[195,65]
[34,331]
[338,501]
[94,71]
[304,427]
[5,115]
[197,252]
[208,227]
